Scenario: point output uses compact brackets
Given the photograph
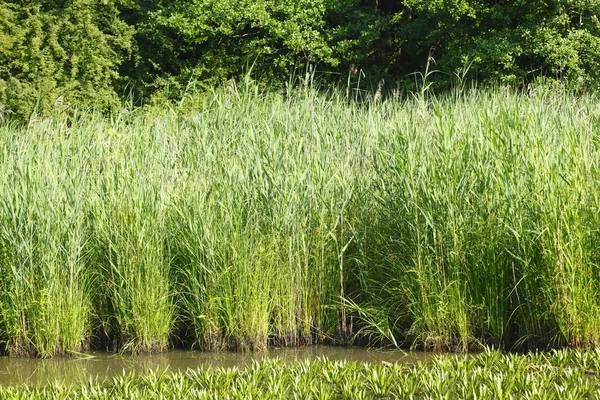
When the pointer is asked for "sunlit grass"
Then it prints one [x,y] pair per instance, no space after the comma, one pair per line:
[239,219]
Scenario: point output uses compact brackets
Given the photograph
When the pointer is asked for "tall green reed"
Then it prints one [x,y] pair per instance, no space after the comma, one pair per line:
[46,279]
[241,218]
[487,222]
[133,193]
[259,231]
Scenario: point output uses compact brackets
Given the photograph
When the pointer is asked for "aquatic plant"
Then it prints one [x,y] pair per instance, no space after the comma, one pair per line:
[562,374]
[245,218]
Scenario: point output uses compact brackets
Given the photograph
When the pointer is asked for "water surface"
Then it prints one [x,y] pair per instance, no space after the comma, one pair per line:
[102,365]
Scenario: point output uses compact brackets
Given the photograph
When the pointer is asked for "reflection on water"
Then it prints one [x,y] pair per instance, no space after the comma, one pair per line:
[14,371]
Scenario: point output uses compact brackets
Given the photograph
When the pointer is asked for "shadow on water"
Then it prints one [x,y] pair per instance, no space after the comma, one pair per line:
[100,366]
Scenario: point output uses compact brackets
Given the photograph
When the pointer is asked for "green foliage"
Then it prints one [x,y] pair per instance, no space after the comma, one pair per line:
[60,54]
[66,54]
[511,41]
[491,374]
[219,39]
[247,218]
[211,40]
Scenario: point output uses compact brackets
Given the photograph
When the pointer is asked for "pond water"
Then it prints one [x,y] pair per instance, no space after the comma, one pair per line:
[99,365]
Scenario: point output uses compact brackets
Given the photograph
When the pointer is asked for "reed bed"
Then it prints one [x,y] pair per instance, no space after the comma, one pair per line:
[556,375]
[241,219]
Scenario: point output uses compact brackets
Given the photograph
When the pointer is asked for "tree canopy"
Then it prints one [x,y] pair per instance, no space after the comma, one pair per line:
[56,53]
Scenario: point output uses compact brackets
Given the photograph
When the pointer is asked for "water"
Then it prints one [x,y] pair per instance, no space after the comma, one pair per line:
[100,366]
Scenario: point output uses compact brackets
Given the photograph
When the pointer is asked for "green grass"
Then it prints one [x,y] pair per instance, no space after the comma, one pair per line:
[239,219]
[555,375]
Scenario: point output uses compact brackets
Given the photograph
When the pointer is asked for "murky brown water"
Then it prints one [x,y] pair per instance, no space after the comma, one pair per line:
[14,371]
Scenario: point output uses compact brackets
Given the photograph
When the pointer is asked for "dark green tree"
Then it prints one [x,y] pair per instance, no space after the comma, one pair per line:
[61,53]
[510,41]
[214,40]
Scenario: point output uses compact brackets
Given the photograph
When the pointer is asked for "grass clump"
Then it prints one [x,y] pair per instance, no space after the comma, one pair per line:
[133,193]
[47,281]
[243,219]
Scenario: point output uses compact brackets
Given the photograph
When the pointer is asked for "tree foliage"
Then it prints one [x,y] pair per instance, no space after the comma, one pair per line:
[82,52]
[60,53]
[219,39]
[512,41]
[506,41]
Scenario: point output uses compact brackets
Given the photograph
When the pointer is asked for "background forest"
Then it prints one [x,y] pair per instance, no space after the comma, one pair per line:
[95,53]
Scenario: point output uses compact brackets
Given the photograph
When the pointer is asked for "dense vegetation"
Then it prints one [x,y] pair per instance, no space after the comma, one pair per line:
[560,375]
[243,218]
[70,54]
[241,207]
